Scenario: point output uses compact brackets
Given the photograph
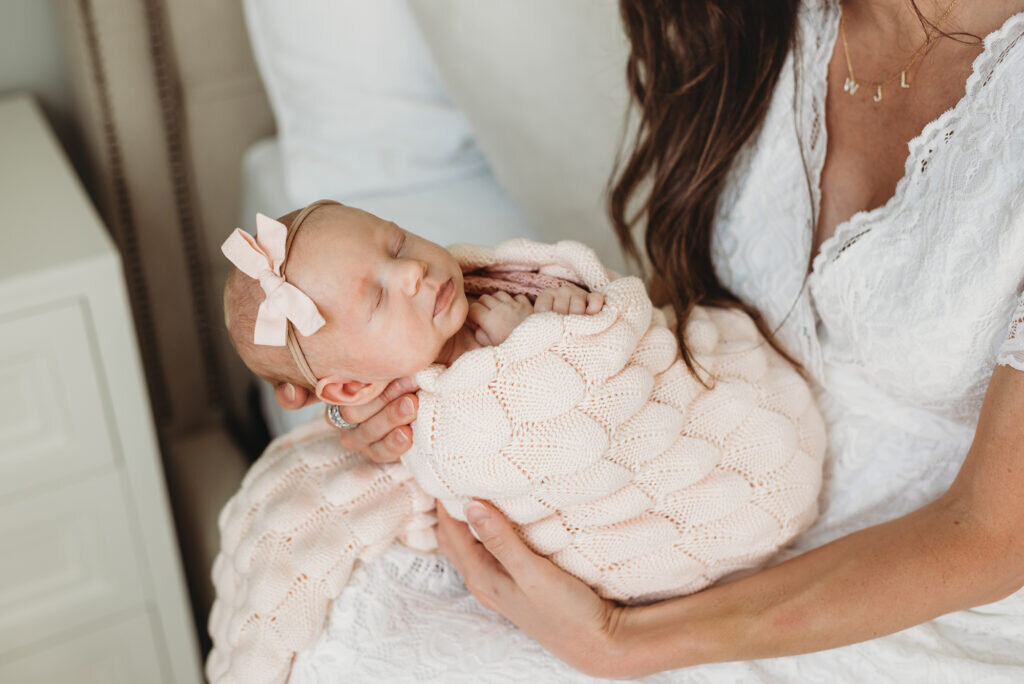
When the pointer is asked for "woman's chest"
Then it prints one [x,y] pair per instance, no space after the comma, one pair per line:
[918,308]
[914,294]
[931,277]
[914,303]
[867,140]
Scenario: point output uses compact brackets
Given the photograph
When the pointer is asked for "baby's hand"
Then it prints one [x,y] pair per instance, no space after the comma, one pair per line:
[569,299]
[496,316]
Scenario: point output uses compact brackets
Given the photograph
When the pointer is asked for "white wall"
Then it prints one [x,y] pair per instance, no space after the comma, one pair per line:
[32,59]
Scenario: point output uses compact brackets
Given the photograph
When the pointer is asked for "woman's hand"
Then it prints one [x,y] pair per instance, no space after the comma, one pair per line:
[557,610]
[383,434]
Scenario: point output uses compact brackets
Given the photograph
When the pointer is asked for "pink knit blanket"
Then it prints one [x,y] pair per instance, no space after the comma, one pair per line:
[588,432]
[529,283]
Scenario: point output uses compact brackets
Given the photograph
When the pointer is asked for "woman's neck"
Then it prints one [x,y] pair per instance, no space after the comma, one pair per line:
[897,20]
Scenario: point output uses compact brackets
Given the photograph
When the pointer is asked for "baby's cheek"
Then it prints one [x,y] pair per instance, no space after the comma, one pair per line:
[414,357]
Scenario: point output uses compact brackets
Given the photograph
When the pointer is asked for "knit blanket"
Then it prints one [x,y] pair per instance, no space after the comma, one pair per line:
[589,433]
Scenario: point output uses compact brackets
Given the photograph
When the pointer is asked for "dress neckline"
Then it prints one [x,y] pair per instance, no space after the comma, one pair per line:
[848,231]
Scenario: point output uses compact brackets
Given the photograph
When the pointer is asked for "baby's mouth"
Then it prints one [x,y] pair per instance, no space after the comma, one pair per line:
[444,297]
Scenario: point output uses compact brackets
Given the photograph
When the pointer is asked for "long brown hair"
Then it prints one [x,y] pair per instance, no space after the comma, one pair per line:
[701,73]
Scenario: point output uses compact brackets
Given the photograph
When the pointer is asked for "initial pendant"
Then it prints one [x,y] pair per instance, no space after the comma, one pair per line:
[903,80]
[850,85]
[878,95]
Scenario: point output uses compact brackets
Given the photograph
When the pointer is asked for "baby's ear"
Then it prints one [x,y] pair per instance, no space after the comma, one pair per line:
[335,389]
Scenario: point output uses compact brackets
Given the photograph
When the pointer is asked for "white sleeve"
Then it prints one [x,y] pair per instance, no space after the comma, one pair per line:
[1012,351]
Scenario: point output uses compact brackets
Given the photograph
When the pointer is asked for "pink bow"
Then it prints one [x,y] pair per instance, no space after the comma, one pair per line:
[261,258]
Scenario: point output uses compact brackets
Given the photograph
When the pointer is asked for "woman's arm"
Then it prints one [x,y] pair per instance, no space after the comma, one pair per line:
[963,550]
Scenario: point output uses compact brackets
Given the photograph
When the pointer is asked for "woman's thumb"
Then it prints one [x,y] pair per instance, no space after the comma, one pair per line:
[498,537]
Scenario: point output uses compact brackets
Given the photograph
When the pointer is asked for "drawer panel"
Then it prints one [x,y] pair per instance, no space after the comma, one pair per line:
[67,561]
[122,653]
[53,421]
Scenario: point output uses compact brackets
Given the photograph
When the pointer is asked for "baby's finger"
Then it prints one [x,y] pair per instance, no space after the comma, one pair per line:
[482,338]
[561,303]
[544,301]
[487,301]
[523,301]
[595,302]
[476,312]
[503,296]
[577,303]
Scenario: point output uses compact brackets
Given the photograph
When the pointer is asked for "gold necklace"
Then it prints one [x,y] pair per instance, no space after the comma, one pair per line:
[852,85]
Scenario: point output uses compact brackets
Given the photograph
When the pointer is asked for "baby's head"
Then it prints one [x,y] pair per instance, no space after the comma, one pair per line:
[391,301]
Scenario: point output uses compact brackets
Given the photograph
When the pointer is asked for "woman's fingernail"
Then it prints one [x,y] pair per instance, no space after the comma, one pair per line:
[475,513]
[400,437]
[289,392]
[406,407]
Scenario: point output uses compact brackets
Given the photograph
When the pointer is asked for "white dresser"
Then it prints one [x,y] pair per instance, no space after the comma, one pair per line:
[91,586]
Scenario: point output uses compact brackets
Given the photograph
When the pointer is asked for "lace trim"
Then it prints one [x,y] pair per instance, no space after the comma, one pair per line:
[827,32]
[923,147]
[1012,352]
[426,572]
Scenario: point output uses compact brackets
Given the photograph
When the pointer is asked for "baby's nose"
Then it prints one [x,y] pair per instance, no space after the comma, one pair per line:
[413,272]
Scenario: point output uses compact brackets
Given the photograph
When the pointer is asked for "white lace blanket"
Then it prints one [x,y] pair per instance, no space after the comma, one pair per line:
[588,432]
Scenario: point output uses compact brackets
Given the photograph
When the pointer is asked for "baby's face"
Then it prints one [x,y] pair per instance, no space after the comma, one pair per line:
[391,299]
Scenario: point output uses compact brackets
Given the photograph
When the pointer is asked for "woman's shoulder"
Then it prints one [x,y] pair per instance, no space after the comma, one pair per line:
[985,125]
[996,74]
[815,25]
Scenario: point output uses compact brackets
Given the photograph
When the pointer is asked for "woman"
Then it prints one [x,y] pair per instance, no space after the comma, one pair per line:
[775,139]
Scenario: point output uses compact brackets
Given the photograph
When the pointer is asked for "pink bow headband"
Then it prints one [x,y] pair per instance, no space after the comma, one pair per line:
[263,258]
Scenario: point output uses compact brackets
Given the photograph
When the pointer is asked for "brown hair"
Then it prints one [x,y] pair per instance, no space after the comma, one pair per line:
[242,298]
[702,74]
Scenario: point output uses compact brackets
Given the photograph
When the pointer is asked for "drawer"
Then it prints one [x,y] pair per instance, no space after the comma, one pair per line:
[67,561]
[122,653]
[53,417]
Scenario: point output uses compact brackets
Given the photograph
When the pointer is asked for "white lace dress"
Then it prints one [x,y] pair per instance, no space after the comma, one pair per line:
[906,312]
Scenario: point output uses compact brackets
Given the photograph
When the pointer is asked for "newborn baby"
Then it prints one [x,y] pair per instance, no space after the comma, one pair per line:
[575,416]
[377,303]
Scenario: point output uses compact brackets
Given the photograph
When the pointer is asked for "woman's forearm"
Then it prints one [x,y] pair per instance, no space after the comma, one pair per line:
[871,583]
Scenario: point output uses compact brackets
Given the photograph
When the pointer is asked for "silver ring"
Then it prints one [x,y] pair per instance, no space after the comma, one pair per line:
[334,415]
